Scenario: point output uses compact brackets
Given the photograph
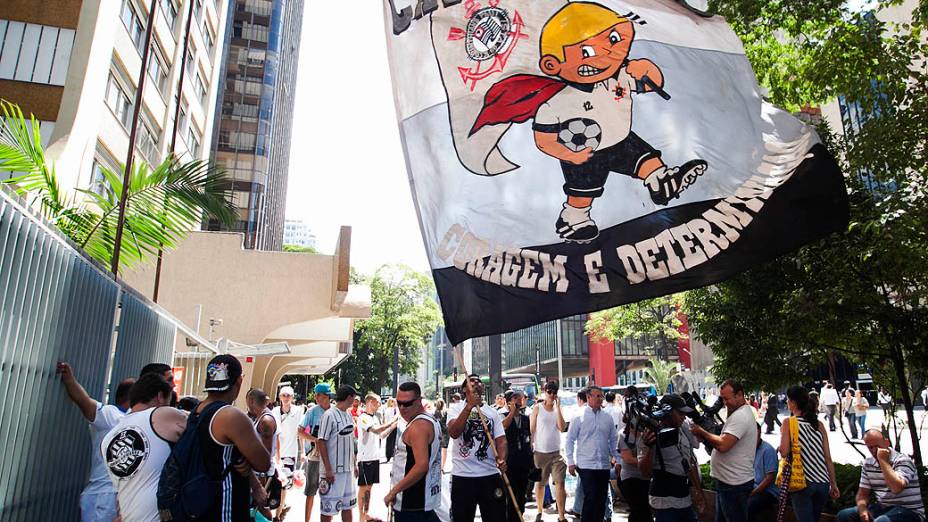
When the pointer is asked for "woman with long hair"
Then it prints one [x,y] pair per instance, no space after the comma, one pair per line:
[389,413]
[814,455]
[442,417]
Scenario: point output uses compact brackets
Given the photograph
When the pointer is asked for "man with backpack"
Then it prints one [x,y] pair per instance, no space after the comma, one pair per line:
[211,468]
[137,447]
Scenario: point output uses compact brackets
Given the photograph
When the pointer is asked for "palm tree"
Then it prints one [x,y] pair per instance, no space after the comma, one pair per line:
[661,373]
[162,205]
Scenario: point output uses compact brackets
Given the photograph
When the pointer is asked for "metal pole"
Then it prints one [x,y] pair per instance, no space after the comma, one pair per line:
[496,365]
[560,359]
[180,93]
[133,130]
[396,370]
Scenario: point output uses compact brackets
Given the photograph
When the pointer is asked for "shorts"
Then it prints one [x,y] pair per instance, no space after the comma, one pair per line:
[311,469]
[287,465]
[368,472]
[98,507]
[552,467]
[625,157]
[341,495]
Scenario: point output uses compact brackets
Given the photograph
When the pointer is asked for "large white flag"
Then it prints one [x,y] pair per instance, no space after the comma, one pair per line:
[571,156]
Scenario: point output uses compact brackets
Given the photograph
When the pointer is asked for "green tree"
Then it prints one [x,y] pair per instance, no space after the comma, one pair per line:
[404,315]
[863,292]
[656,320]
[661,373]
[162,206]
[301,249]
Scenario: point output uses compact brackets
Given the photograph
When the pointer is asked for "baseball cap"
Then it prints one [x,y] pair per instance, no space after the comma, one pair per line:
[676,402]
[344,391]
[222,372]
[323,387]
[286,390]
[512,393]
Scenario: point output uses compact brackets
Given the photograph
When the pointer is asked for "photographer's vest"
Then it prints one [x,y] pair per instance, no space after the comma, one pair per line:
[665,483]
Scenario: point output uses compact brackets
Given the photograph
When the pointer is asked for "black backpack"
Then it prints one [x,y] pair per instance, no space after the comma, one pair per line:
[185,490]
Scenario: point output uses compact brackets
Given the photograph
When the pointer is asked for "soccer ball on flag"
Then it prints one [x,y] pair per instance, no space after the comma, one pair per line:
[580,133]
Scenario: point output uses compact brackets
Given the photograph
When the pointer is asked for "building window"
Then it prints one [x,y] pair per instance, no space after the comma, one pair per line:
[184,121]
[208,39]
[198,9]
[34,53]
[148,140]
[199,88]
[170,12]
[191,59]
[133,22]
[193,143]
[157,69]
[258,7]
[119,101]
[249,31]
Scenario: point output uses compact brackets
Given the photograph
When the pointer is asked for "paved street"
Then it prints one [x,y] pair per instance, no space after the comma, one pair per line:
[842,452]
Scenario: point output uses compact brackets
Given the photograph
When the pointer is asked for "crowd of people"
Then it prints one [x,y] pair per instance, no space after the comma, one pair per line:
[149,446]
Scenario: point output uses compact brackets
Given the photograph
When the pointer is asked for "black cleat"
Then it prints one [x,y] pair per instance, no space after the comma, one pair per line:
[576,225]
[667,183]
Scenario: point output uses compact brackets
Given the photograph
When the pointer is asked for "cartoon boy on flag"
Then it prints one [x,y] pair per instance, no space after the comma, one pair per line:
[582,112]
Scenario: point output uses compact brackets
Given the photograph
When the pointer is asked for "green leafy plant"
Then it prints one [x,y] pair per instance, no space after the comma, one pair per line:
[661,373]
[163,204]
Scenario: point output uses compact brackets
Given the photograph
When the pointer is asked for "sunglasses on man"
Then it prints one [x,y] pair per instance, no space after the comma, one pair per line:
[406,404]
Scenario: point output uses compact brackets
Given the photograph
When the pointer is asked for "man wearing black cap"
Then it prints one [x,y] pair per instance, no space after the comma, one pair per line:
[337,487]
[670,462]
[228,438]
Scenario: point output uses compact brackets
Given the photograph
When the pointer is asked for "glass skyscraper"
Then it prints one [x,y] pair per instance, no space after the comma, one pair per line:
[252,133]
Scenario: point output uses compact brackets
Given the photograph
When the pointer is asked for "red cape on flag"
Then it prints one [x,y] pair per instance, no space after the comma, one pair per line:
[515,99]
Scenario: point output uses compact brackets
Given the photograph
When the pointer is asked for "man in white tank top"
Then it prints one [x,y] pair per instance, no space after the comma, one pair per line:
[547,424]
[416,472]
[266,426]
[136,448]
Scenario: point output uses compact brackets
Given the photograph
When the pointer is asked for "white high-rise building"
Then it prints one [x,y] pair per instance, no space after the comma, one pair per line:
[298,233]
[75,65]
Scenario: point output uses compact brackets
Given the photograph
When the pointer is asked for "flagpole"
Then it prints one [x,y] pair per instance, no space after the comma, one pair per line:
[134,127]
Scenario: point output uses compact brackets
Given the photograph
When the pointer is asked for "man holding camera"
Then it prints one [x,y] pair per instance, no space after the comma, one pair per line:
[732,462]
[667,457]
[596,441]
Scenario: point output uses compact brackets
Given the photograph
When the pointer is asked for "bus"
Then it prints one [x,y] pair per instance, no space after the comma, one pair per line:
[526,382]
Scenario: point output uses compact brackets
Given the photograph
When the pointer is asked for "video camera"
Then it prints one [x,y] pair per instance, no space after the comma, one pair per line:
[706,417]
[646,414]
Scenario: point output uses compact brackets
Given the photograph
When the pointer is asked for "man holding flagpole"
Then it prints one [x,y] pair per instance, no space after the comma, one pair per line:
[475,477]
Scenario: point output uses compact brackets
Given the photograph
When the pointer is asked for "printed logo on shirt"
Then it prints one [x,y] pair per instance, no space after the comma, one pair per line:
[126,452]
[347,430]
[474,440]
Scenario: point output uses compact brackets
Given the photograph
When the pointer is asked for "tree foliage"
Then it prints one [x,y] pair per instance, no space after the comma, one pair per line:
[654,319]
[404,315]
[862,292]
[661,373]
[301,249]
[163,204]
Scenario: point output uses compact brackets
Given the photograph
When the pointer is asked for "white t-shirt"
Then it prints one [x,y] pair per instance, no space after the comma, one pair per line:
[471,452]
[288,424]
[106,418]
[368,441]
[337,430]
[830,397]
[609,104]
[736,466]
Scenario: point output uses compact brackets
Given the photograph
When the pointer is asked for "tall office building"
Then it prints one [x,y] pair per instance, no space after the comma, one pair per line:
[255,107]
[298,233]
[74,65]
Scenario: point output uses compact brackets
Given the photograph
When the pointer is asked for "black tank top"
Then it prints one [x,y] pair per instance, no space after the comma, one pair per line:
[234,499]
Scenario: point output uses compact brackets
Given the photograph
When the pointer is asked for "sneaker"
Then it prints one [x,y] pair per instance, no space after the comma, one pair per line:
[666,183]
[576,225]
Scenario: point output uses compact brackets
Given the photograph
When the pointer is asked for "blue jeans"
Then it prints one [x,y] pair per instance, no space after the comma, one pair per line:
[862,423]
[880,513]
[731,501]
[675,515]
[809,502]
[763,502]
